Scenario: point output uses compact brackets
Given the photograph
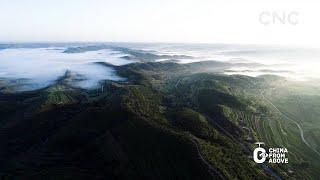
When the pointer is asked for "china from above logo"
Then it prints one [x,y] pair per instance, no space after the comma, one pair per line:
[273,155]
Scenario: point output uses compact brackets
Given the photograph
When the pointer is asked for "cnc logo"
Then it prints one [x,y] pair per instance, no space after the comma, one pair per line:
[273,155]
[276,17]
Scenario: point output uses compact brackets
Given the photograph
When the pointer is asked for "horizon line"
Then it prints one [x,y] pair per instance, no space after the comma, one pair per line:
[148,42]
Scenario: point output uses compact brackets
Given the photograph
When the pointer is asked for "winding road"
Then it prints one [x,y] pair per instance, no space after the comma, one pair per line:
[213,171]
[293,121]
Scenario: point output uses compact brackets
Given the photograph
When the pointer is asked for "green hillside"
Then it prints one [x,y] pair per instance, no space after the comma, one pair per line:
[164,122]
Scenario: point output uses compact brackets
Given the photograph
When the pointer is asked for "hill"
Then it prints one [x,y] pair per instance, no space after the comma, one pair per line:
[167,121]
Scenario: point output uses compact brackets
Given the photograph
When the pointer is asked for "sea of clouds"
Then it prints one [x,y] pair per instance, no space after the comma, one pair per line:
[43,66]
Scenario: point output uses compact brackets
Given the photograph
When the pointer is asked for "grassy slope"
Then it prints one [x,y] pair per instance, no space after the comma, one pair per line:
[146,128]
[105,138]
[303,108]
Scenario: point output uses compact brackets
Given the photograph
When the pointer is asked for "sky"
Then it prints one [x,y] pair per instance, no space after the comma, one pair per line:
[186,21]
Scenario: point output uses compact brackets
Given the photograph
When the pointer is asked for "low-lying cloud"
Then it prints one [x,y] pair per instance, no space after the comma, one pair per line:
[43,66]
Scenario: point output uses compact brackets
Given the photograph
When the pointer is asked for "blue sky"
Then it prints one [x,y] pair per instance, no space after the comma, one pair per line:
[204,21]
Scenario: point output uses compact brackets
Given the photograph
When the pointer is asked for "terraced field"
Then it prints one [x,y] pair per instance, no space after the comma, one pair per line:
[164,122]
[289,119]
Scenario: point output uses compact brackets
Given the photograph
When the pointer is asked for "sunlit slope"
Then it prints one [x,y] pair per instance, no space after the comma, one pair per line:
[250,114]
[167,121]
[297,114]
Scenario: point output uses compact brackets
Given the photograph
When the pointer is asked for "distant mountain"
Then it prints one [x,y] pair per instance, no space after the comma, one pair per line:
[132,54]
[66,129]
[166,121]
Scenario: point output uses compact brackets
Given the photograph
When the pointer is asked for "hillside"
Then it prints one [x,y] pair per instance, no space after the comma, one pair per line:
[166,121]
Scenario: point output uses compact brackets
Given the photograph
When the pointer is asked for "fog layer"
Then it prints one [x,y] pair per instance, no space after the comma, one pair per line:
[42,66]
